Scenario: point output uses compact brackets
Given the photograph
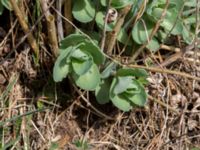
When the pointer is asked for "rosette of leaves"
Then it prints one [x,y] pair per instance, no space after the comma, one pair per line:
[125,90]
[79,58]
[175,21]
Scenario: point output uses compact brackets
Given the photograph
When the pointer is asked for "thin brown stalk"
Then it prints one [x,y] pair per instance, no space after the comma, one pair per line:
[104,28]
[68,14]
[99,113]
[25,27]
[52,34]
[73,25]
[176,56]
[59,20]
[156,69]
[163,104]
[112,36]
[51,27]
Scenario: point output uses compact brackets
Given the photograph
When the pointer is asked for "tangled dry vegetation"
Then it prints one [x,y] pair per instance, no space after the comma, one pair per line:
[35,113]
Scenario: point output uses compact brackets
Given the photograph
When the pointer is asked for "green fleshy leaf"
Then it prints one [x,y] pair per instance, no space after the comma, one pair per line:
[161,35]
[121,3]
[81,67]
[140,33]
[125,91]
[137,72]
[95,36]
[54,146]
[170,21]
[122,84]
[121,103]
[62,67]
[102,92]
[159,4]
[72,40]
[123,37]
[80,55]
[178,28]
[153,45]
[188,36]
[104,2]
[190,19]
[139,99]
[118,100]
[179,3]
[143,81]
[100,21]
[191,3]
[1,8]
[94,51]
[133,88]
[84,45]
[88,81]
[110,68]
[83,10]
[6,4]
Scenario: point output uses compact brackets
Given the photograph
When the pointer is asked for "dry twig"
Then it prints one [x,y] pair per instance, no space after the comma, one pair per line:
[68,14]
[99,113]
[25,27]
[112,36]
[163,104]
[156,69]
[52,33]
[104,28]
[59,20]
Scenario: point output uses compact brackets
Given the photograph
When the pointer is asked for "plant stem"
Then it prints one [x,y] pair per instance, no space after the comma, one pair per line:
[156,69]
[59,20]
[25,27]
[99,113]
[68,14]
[104,28]
[112,36]
[163,104]
[51,27]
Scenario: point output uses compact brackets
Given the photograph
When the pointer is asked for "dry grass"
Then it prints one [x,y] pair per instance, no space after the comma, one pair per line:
[153,127]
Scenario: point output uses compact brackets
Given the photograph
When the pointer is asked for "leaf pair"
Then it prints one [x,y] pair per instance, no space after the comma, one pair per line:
[80,58]
[125,90]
